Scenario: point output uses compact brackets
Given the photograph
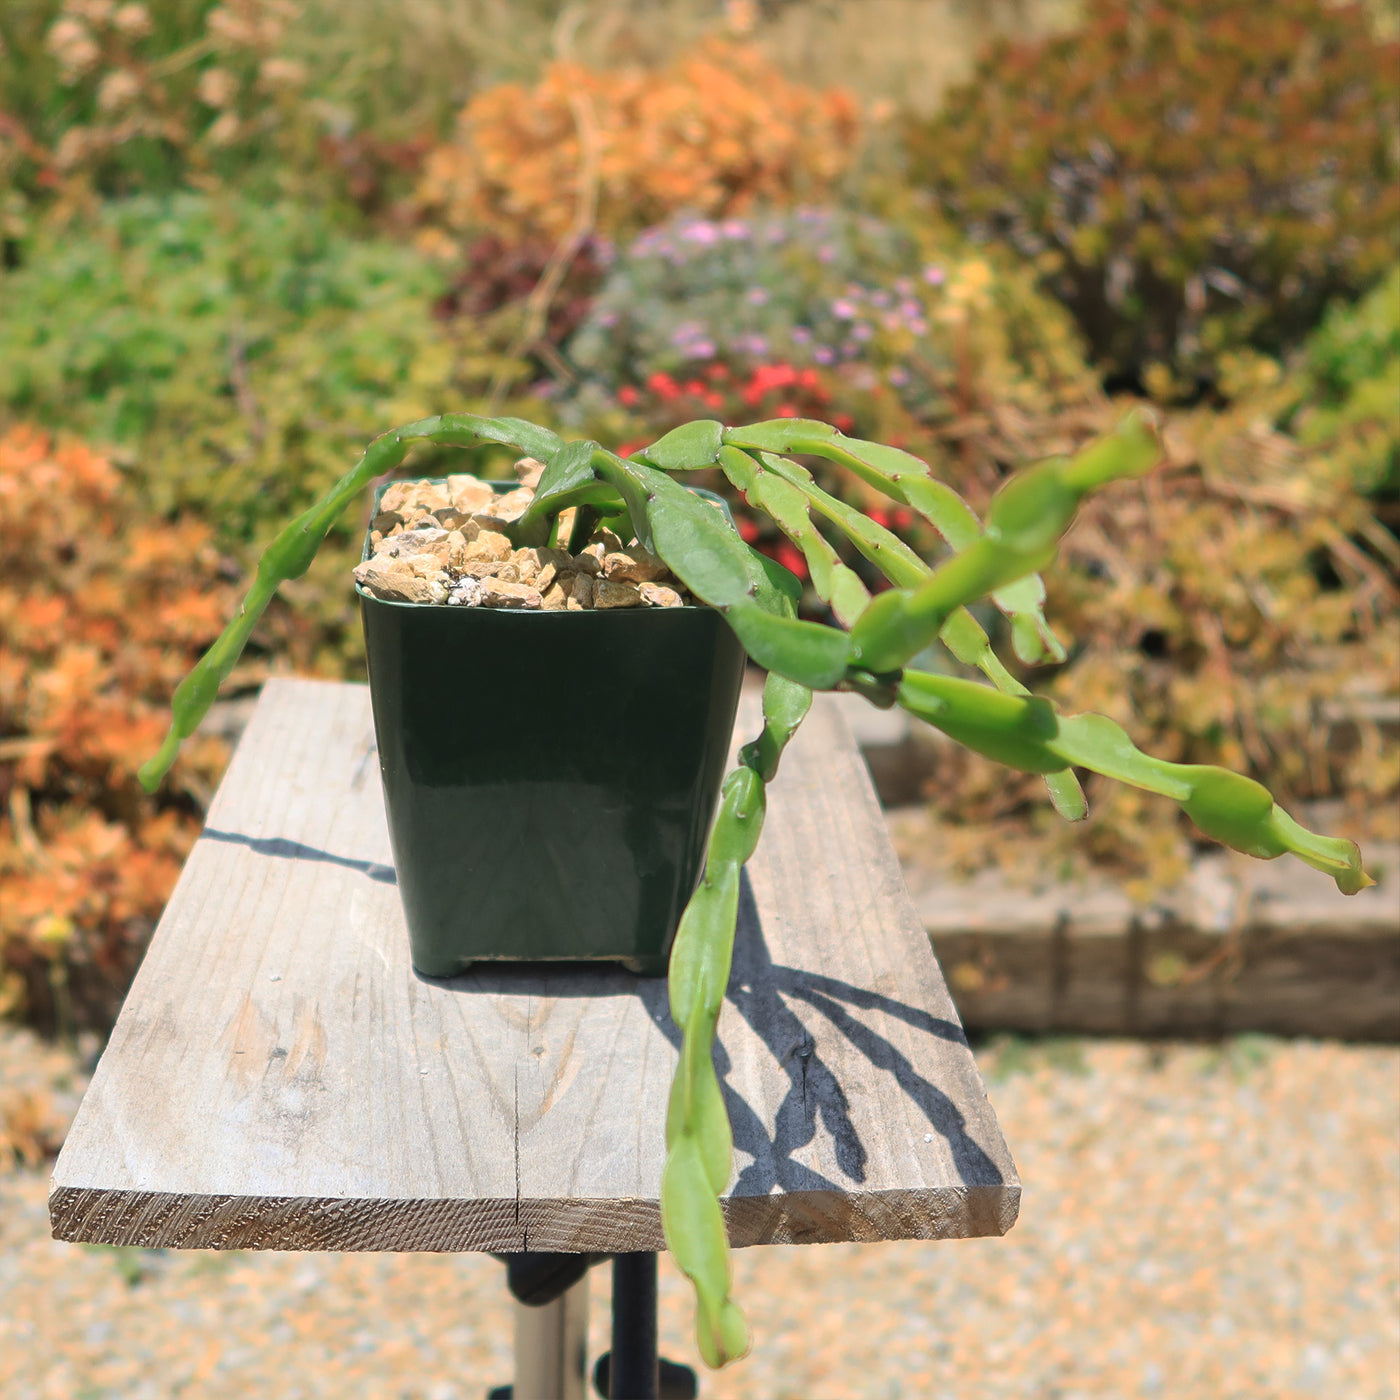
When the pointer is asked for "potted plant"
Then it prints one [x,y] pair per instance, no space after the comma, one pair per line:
[868,648]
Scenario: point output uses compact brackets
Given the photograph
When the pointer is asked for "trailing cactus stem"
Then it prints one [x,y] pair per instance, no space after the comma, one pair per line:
[885,550]
[1029,733]
[1026,520]
[699,1146]
[290,555]
[907,479]
[962,634]
[834,583]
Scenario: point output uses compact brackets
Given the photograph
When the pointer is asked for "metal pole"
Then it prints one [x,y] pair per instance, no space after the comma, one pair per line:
[551,1347]
[633,1370]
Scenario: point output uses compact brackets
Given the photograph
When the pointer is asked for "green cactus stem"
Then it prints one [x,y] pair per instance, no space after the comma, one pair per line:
[290,555]
[1029,733]
[699,1143]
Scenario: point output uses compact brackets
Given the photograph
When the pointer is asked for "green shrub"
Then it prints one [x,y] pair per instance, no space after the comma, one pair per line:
[1350,388]
[238,353]
[233,357]
[1189,176]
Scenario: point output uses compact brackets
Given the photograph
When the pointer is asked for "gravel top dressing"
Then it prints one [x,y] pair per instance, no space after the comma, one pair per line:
[443,542]
[1199,1223]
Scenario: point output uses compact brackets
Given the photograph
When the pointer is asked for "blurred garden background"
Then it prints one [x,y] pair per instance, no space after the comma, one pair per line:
[238,239]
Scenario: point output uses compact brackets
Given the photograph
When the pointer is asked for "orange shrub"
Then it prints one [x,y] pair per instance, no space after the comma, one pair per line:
[101,613]
[714,132]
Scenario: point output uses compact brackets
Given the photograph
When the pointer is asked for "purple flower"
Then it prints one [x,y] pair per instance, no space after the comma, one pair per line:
[862,332]
[687,333]
[899,376]
[824,355]
[751,344]
[879,297]
[653,244]
[843,309]
[910,309]
[734,228]
[757,296]
[692,340]
[919,326]
[607,319]
[700,231]
[826,253]
[933,275]
[801,335]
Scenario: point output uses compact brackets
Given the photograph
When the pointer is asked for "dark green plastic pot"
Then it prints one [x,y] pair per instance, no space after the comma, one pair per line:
[550,777]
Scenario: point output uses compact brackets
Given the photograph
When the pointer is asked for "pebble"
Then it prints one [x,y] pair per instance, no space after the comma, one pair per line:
[469,493]
[399,587]
[608,594]
[529,470]
[634,565]
[498,593]
[489,544]
[659,596]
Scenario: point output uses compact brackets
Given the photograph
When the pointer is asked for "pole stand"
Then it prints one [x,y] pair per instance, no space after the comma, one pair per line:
[551,1332]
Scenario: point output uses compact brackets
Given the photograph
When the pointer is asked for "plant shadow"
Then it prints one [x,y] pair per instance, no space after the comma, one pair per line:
[294,850]
[761,990]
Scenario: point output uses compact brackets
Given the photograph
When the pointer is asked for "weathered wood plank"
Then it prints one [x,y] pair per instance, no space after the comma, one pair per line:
[279,1078]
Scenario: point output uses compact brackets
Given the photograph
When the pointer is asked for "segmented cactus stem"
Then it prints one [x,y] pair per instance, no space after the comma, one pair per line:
[699,1144]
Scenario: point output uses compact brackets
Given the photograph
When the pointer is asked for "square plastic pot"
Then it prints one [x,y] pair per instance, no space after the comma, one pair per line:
[549,777]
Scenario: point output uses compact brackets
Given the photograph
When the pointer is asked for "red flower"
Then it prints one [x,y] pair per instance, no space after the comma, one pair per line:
[663,386]
[627,395]
[790,557]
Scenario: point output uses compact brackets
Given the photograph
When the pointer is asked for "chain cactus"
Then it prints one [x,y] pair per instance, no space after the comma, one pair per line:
[869,650]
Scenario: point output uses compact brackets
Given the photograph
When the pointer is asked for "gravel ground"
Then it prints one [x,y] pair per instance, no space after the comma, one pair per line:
[1197,1222]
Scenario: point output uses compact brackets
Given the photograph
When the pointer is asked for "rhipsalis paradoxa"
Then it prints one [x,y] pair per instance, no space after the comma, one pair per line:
[869,647]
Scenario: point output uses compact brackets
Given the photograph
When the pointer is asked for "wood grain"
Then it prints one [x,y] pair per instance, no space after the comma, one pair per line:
[280,1078]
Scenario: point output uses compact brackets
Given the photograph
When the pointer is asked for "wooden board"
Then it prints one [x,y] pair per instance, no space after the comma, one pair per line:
[280,1079]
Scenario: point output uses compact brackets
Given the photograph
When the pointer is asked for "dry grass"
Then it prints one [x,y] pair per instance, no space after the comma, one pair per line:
[427,56]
